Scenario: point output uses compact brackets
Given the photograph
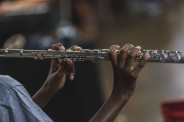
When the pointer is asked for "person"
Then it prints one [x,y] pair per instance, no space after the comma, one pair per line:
[17,105]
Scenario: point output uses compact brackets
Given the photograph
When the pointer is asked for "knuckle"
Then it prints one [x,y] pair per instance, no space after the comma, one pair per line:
[126,71]
[111,52]
[54,46]
[71,48]
[114,47]
[74,46]
[130,45]
[131,55]
[123,50]
[141,65]
[133,76]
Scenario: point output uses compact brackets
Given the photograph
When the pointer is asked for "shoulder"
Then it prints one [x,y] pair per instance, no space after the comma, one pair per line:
[8,81]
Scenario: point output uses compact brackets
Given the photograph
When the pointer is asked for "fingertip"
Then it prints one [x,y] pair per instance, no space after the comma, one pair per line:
[132,45]
[72,76]
[60,46]
[138,47]
[69,62]
[117,47]
[77,48]
[146,56]
[114,47]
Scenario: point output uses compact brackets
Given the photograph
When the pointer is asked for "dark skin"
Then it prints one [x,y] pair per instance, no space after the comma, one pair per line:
[56,78]
[125,76]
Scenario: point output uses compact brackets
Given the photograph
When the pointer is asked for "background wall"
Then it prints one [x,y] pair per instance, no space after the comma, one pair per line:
[157,82]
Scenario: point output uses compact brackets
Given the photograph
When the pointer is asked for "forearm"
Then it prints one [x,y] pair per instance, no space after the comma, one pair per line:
[43,96]
[110,109]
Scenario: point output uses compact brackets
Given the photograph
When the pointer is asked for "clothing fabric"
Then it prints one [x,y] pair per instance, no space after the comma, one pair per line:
[16,105]
[173,111]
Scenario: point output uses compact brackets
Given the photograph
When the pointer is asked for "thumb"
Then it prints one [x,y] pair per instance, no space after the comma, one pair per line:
[67,68]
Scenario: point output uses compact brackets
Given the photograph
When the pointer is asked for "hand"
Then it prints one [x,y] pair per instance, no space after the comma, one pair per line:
[56,77]
[125,75]
[59,70]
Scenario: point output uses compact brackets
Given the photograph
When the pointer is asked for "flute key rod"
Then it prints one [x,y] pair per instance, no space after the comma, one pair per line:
[160,56]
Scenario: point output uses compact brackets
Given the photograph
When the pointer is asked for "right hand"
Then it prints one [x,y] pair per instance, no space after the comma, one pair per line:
[125,75]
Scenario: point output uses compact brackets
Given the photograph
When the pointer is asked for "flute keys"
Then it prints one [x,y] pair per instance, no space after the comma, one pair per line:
[6,51]
[163,57]
[176,57]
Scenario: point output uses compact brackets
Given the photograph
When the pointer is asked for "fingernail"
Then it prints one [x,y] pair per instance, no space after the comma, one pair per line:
[78,48]
[138,47]
[62,48]
[131,45]
[147,55]
[68,61]
[71,77]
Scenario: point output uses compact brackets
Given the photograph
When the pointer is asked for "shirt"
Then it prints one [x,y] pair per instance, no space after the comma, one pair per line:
[16,105]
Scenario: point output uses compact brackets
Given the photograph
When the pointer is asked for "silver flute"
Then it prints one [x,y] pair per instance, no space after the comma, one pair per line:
[162,56]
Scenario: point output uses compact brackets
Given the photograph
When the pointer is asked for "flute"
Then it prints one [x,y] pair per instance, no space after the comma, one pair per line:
[162,56]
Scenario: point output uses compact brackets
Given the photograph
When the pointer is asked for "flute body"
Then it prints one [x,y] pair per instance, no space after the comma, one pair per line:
[162,56]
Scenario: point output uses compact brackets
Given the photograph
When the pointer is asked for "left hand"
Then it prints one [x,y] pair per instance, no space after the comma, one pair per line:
[59,70]
[56,78]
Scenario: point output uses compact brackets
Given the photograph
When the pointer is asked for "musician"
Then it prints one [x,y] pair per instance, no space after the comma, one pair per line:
[16,104]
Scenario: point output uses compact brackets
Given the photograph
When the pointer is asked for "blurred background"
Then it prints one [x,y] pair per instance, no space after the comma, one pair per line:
[151,24]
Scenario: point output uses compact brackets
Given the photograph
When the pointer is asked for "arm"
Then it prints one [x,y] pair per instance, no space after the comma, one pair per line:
[124,81]
[56,78]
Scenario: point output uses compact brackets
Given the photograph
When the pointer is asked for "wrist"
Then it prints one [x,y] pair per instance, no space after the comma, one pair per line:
[48,89]
[125,96]
[43,96]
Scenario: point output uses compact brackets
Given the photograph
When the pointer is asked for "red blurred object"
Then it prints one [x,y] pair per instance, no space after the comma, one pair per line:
[173,111]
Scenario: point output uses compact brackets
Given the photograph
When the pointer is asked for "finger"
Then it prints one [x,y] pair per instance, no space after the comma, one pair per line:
[123,55]
[68,68]
[58,46]
[131,68]
[75,48]
[131,57]
[55,61]
[112,54]
[141,64]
